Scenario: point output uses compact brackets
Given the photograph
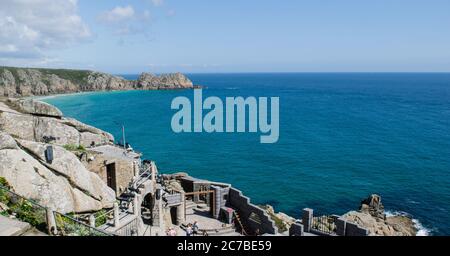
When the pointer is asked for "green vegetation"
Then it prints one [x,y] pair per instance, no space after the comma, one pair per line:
[74,148]
[279,223]
[69,227]
[77,77]
[21,208]
[4,183]
[101,217]
[28,212]
[4,197]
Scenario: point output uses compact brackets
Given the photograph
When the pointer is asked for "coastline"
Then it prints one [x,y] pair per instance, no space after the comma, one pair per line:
[24,82]
[52,96]
[421,229]
[58,95]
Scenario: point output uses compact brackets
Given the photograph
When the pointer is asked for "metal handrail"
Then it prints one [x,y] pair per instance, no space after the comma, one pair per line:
[127,226]
[34,203]
[143,177]
[84,224]
[26,199]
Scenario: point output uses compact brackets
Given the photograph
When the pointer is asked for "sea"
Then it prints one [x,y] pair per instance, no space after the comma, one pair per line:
[343,137]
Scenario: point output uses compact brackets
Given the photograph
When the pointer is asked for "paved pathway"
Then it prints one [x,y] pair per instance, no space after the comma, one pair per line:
[12,227]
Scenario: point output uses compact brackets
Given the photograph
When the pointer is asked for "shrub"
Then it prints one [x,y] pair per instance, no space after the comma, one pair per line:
[4,183]
[4,196]
[100,217]
[27,212]
[73,147]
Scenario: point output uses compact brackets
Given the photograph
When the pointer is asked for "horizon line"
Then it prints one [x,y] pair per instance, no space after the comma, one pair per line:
[292,72]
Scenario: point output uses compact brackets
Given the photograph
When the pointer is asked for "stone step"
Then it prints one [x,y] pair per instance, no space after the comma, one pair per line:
[222,232]
[34,232]
[13,227]
[192,205]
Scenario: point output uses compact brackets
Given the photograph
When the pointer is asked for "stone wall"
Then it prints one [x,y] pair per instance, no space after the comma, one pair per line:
[296,229]
[125,170]
[253,216]
[352,229]
[343,227]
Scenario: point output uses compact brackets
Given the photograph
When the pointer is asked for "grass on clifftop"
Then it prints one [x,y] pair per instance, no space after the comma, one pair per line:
[75,76]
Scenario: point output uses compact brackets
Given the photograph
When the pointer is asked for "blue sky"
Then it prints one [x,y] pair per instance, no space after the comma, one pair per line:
[131,36]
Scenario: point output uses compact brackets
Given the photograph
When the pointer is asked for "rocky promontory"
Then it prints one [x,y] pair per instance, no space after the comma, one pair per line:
[23,82]
[371,216]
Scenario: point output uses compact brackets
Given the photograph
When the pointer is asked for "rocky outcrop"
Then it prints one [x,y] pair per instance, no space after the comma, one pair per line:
[282,220]
[169,81]
[30,106]
[373,206]
[7,142]
[97,81]
[88,130]
[372,217]
[30,179]
[36,125]
[18,125]
[64,183]
[68,165]
[19,82]
[7,83]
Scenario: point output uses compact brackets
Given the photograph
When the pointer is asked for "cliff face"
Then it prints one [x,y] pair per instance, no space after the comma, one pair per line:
[27,128]
[19,82]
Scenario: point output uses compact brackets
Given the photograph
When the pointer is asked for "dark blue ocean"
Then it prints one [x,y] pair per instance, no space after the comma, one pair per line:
[342,138]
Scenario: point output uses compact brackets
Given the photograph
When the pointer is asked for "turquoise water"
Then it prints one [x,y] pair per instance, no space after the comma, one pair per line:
[342,137]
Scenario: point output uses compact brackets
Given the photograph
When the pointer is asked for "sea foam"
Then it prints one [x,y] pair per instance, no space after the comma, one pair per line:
[421,229]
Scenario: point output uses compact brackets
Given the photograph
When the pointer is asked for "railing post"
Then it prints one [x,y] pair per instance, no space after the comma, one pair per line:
[153,172]
[136,168]
[180,210]
[307,218]
[296,230]
[116,215]
[92,220]
[136,206]
[160,213]
[51,222]
[341,224]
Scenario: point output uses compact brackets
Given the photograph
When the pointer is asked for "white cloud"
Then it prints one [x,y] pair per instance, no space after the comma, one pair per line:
[125,21]
[29,28]
[117,14]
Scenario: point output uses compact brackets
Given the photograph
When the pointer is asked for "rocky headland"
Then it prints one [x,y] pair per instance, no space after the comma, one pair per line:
[24,82]
[372,216]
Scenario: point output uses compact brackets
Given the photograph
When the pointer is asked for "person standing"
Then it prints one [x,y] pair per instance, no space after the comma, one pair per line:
[189,230]
[195,228]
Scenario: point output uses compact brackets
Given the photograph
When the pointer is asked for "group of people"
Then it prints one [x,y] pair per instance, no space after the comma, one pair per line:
[191,230]
[171,232]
